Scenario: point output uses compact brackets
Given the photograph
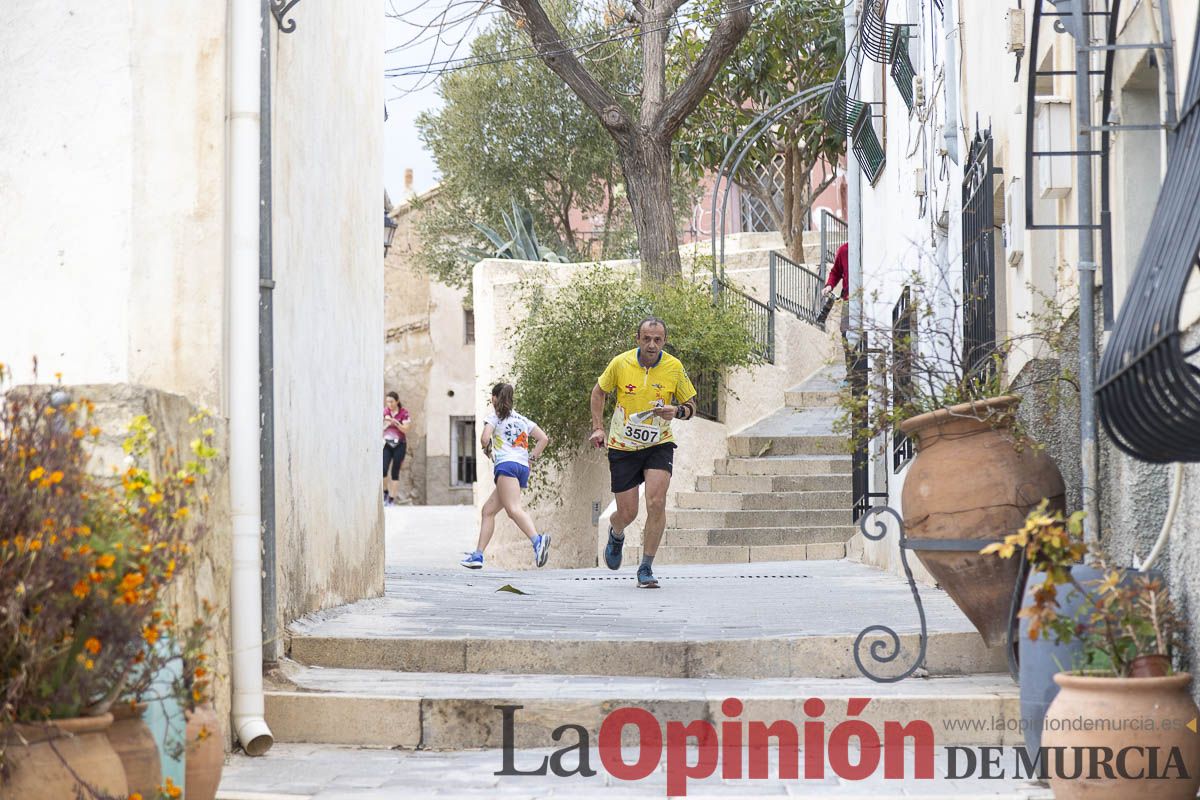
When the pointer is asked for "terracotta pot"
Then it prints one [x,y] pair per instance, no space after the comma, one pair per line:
[969,480]
[38,768]
[1146,713]
[1150,666]
[205,754]
[135,745]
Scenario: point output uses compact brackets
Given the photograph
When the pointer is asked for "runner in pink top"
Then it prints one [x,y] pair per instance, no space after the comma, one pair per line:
[395,445]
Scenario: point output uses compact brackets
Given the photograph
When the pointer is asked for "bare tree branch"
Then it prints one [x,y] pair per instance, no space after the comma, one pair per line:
[683,101]
[561,59]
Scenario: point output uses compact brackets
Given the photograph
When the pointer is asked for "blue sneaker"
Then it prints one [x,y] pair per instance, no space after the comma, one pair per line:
[612,551]
[646,579]
[541,549]
[474,560]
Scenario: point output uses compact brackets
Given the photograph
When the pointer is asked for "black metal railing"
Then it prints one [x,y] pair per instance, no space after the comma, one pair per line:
[979,256]
[760,317]
[795,288]
[903,340]
[834,234]
[860,461]
[708,394]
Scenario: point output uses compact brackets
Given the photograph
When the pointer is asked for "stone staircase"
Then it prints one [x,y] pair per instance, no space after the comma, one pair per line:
[425,666]
[783,494]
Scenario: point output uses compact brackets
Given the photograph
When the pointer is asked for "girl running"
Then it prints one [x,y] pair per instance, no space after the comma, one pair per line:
[505,440]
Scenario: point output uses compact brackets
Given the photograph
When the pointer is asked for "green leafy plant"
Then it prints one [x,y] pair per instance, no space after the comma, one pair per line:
[571,333]
[522,243]
[1122,616]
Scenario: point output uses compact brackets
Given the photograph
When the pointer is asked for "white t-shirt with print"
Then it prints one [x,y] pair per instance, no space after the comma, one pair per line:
[510,437]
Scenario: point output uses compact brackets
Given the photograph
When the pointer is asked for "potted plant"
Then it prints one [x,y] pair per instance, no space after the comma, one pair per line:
[88,559]
[1136,707]
[975,473]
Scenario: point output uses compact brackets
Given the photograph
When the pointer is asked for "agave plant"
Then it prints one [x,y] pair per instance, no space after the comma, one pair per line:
[522,242]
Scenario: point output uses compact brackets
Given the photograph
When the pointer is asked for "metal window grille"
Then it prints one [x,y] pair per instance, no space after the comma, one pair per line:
[902,70]
[866,141]
[468,326]
[795,288]
[756,217]
[462,450]
[760,318]
[903,340]
[979,257]
[708,394]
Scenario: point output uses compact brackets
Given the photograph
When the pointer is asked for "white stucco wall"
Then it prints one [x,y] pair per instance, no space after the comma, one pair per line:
[328,254]
[112,180]
[112,174]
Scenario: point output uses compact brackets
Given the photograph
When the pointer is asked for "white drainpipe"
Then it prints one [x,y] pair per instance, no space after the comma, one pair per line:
[242,276]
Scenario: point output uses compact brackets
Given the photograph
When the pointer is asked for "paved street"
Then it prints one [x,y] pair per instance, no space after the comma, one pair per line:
[301,772]
[429,536]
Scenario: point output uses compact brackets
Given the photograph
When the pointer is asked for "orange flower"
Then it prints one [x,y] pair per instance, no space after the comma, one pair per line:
[78,433]
[92,645]
[36,473]
[170,789]
[150,634]
[80,590]
[35,545]
[84,530]
[135,796]
[56,476]
[105,561]
[181,512]
[155,498]
[94,431]
[132,581]
[89,664]
[95,577]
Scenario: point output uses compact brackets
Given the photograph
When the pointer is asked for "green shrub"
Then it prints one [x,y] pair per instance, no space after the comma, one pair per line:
[572,333]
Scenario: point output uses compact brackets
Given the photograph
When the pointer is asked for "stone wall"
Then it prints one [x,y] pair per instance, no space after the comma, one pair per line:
[208,575]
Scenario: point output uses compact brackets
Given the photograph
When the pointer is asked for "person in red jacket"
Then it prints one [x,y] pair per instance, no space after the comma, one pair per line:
[839,273]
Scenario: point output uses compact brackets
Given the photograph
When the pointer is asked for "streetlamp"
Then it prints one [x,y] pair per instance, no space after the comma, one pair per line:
[389,231]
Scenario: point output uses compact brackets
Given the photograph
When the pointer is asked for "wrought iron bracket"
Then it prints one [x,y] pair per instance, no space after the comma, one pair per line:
[279,10]
[885,642]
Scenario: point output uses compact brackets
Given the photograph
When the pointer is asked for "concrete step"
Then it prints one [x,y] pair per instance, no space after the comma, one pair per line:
[782,445]
[793,465]
[765,500]
[757,537]
[778,518]
[821,390]
[448,711]
[670,554]
[773,483]
[961,653]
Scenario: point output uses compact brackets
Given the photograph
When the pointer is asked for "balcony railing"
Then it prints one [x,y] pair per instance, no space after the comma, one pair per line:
[903,73]
[979,256]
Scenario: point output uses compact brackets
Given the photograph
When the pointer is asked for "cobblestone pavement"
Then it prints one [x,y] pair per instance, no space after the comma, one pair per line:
[697,602]
[318,772]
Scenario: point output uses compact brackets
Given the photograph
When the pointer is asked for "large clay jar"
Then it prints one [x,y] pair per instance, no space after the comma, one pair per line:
[970,479]
[205,754]
[1140,724]
[63,757]
[135,745]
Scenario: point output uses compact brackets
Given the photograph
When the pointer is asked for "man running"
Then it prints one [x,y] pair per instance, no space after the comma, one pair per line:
[652,389]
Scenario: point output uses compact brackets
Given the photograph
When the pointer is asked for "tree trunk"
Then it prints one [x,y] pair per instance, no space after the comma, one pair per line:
[801,180]
[646,163]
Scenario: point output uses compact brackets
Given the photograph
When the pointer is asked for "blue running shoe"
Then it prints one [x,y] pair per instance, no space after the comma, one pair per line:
[474,560]
[646,579]
[612,551]
[541,549]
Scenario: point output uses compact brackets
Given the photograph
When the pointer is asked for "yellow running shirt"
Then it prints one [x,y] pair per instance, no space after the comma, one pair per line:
[640,389]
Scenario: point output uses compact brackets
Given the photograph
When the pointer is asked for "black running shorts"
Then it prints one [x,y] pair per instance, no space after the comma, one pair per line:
[628,467]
